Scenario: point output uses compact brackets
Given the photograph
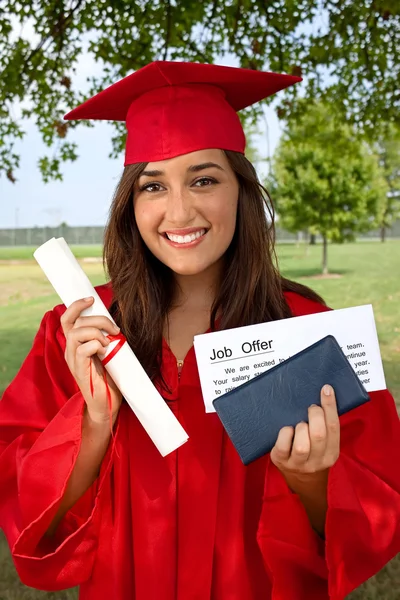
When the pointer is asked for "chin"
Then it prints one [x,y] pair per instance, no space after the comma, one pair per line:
[192,268]
[187,270]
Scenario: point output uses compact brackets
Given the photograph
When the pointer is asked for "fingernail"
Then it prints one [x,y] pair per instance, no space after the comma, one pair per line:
[312,405]
[116,328]
[327,390]
[88,299]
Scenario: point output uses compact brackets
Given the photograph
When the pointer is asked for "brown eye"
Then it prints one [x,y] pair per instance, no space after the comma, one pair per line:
[150,187]
[205,182]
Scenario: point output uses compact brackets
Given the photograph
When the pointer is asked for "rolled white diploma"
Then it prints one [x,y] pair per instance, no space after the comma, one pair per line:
[71,283]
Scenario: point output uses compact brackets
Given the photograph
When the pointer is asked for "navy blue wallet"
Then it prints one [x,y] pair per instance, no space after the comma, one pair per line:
[253,413]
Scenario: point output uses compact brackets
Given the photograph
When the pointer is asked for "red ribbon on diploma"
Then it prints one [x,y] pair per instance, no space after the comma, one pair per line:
[121,341]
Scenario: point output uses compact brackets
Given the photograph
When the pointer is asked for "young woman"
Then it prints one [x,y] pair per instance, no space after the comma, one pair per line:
[188,249]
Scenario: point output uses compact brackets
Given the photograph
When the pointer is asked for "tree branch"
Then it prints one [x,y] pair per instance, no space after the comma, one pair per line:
[60,25]
[213,10]
[168,30]
[237,17]
[193,47]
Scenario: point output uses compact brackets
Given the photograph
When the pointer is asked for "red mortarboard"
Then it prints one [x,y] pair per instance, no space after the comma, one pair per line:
[173,108]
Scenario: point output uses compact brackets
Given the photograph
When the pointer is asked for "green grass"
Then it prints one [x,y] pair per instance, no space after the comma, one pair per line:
[369,273]
[26,252]
[25,295]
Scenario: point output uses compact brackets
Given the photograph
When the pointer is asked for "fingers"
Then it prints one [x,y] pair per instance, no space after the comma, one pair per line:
[317,431]
[100,322]
[72,313]
[301,445]
[79,330]
[293,447]
[280,453]
[85,334]
[72,318]
[329,406]
[312,446]
[85,339]
[77,337]
[84,352]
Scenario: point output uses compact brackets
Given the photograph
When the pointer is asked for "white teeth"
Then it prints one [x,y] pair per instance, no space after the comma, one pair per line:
[185,239]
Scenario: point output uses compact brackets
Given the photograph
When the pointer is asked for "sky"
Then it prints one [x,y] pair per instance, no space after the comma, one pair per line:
[84,196]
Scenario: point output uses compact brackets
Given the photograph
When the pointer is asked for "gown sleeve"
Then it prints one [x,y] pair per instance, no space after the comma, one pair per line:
[40,435]
[362,530]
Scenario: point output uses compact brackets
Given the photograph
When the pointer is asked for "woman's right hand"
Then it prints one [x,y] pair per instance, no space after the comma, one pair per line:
[84,340]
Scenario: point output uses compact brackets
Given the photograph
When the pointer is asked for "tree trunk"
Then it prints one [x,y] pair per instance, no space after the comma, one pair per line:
[299,238]
[325,256]
[312,239]
[383,233]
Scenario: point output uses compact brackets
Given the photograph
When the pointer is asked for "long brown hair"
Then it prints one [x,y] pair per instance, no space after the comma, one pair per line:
[251,289]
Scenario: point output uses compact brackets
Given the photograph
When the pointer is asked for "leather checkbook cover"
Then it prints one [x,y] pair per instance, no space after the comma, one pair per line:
[253,413]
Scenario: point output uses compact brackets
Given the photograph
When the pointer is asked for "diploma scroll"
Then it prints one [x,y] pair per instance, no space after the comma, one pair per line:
[71,283]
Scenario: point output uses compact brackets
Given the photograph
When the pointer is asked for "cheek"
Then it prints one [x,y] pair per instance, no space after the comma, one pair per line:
[225,212]
[146,219]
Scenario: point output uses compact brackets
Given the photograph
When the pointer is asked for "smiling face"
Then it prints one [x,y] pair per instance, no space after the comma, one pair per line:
[185,210]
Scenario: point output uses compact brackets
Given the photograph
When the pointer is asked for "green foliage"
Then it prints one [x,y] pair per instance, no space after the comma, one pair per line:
[347,51]
[388,150]
[325,179]
[252,152]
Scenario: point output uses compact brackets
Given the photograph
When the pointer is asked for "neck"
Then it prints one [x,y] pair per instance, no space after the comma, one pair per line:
[197,292]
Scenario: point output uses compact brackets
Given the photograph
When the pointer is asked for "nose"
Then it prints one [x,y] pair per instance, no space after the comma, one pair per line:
[179,210]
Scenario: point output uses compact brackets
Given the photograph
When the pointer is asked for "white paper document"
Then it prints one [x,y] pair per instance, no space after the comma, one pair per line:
[71,283]
[229,358]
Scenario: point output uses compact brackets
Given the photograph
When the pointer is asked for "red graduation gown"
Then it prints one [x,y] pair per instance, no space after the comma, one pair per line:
[196,525]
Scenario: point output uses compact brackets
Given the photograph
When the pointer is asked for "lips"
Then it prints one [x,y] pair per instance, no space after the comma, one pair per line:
[185,241]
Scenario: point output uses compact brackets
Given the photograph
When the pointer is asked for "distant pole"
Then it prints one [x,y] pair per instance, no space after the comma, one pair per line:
[16,225]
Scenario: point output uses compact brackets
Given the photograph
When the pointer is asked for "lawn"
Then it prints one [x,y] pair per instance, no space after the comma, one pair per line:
[366,272]
[26,252]
[369,274]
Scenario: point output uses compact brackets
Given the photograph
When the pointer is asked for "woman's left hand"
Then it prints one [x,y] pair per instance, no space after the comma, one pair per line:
[316,445]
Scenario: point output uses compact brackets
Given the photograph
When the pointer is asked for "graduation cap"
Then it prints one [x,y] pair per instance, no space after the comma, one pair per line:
[173,108]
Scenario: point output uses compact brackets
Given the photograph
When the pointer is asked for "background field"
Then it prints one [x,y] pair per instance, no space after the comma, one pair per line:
[26,252]
[366,272]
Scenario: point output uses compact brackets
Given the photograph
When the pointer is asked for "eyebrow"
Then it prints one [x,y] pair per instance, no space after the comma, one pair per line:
[202,166]
[191,169]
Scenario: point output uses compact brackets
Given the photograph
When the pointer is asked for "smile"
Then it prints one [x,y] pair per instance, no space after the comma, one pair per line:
[185,239]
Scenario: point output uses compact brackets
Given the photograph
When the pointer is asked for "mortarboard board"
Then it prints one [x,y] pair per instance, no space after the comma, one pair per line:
[173,108]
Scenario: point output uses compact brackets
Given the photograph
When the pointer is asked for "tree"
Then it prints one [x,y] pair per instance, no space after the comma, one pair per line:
[388,150]
[348,52]
[252,150]
[325,179]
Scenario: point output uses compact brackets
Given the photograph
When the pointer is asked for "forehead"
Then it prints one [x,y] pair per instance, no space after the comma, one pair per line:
[184,161]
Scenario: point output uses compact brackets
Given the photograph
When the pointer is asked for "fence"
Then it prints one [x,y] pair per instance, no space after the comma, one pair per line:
[94,235]
[38,235]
